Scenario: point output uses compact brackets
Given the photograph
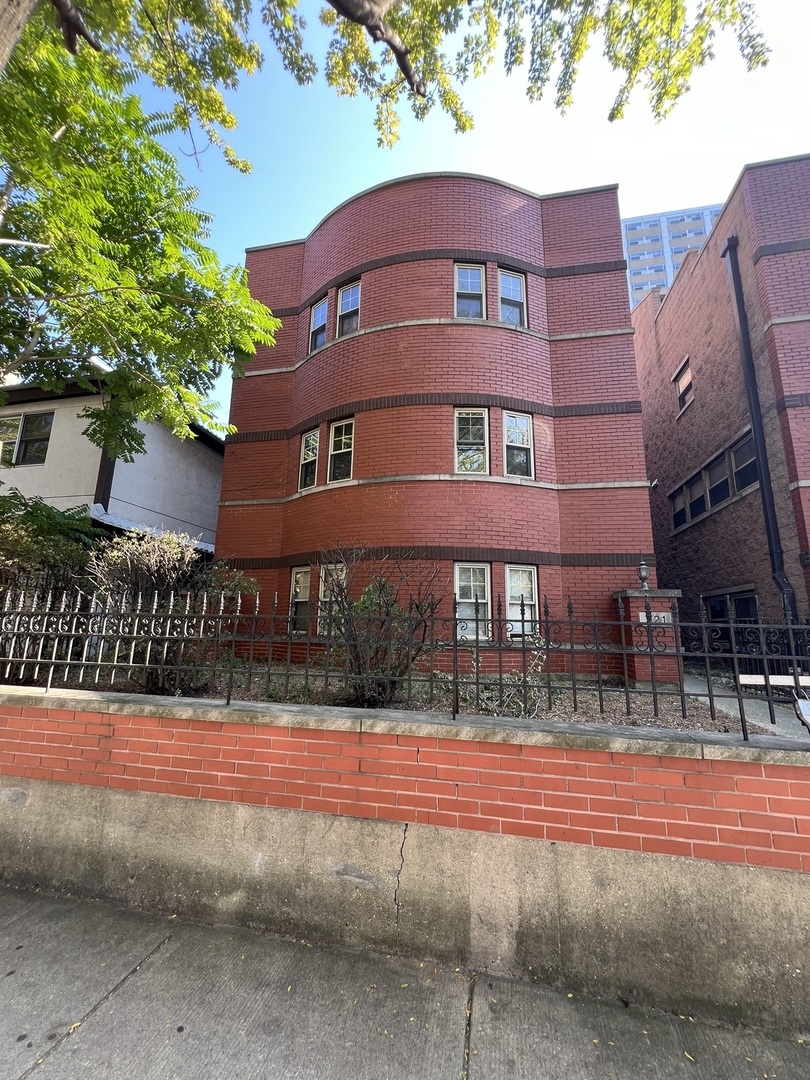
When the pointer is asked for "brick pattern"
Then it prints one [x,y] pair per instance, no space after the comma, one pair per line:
[412,362]
[741,811]
[769,211]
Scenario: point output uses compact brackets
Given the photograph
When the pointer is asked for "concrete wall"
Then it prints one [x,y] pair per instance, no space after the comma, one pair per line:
[653,868]
[69,474]
[173,486]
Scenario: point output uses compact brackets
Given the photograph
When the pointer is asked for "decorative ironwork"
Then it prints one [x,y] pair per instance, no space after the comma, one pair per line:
[504,659]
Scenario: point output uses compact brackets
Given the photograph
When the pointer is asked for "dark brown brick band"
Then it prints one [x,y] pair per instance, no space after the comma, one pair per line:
[785,247]
[398,401]
[457,554]
[792,401]
[455,255]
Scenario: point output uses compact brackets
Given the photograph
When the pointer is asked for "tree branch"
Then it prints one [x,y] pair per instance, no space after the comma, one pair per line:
[73,26]
[23,243]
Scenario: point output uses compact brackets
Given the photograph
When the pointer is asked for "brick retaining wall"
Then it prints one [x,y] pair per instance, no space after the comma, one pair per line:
[713,800]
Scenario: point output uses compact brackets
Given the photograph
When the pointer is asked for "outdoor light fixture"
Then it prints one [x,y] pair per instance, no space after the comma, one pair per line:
[643,573]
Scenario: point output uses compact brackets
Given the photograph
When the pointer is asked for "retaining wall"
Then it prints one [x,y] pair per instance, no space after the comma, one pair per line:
[656,867]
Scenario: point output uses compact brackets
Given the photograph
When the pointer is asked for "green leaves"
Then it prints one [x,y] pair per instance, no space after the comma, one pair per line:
[122,272]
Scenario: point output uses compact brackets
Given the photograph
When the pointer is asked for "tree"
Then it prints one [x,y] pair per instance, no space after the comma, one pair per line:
[38,542]
[196,49]
[103,254]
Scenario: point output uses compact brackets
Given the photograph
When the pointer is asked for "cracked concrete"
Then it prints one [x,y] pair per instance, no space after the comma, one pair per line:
[397,903]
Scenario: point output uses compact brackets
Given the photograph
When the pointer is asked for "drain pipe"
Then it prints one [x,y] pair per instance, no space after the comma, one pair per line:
[757,430]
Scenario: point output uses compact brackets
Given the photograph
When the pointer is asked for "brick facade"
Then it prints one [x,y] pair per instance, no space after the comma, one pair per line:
[725,548]
[582,517]
[692,800]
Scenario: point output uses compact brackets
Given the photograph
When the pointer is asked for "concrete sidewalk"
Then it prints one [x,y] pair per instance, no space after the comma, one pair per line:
[89,990]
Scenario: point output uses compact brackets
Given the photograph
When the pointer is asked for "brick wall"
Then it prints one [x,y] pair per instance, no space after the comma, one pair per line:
[728,549]
[412,362]
[715,802]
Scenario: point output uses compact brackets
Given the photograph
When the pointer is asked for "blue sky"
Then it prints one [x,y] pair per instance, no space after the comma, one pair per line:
[311,150]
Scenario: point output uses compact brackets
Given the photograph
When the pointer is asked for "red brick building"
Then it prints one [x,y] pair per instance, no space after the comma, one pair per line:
[712,536]
[454,378]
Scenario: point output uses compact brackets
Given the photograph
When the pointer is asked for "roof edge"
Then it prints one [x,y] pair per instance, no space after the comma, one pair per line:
[432,176]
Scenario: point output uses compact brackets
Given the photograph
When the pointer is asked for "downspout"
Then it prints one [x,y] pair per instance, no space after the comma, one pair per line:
[758,430]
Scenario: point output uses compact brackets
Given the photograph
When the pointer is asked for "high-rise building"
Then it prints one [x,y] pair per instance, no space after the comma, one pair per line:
[655,245]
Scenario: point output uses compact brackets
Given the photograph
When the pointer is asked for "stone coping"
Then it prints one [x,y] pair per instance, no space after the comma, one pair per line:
[611,738]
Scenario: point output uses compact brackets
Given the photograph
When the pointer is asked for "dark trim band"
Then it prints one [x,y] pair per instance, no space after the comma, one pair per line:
[456,554]
[784,247]
[454,255]
[792,401]
[804,558]
[399,401]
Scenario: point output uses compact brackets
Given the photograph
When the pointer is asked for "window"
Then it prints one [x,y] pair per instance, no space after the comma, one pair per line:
[517,436]
[513,298]
[332,587]
[341,441]
[24,439]
[317,325]
[521,593]
[697,497]
[745,464]
[676,220]
[683,385]
[678,235]
[712,486]
[472,600]
[309,460]
[469,292]
[471,441]
[739,607]
[717,477]
[348,309]
[299,600]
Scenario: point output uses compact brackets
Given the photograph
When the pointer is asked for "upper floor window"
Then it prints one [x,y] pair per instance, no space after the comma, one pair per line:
[683,385]
[470,292]
[299,600]
[513,298]
[517,437]
[348,309]
[317,325]
[309,460]
[341,443]
[24,439]
[471,441]
[726,475]
[521,593]
[472,599]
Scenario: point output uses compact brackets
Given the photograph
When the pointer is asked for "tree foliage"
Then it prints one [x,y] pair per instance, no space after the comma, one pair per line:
[39,541]
[198,50]
[103,254]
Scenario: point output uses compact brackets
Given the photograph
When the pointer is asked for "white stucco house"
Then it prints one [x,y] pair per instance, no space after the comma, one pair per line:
[173,487]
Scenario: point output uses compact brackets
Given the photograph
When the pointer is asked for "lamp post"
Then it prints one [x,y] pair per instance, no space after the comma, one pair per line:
[644,573]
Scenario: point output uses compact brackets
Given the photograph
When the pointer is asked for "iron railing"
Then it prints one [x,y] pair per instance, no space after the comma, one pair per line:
[635,667]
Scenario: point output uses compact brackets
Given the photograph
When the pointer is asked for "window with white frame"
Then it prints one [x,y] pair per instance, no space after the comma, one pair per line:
[332,587]
[521,599]
[472,599]
[341,444]
[299,600]
[24,439]
[348,309]
[308,472]
[683,384]
[317,325]
[470,292]
[517,437]
[512,298]
[472,455]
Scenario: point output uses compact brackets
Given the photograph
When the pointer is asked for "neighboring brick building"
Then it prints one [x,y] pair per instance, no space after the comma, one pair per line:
[454,378]
[710,528]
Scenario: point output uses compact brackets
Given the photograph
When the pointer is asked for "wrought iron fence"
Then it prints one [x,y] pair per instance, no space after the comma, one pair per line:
[635,668]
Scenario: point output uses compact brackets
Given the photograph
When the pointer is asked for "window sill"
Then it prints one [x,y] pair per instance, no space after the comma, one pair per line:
[679,414]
